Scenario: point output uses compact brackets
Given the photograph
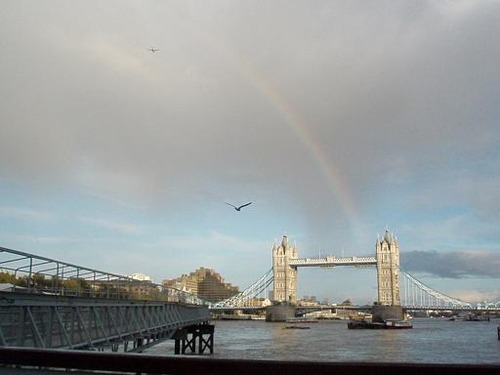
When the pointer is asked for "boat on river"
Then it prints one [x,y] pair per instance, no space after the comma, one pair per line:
[387,324]
[297,327]
[300,319]
[476,318]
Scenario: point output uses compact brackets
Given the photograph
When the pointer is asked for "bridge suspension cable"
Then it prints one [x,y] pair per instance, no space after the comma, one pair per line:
[416,294]
[241,299]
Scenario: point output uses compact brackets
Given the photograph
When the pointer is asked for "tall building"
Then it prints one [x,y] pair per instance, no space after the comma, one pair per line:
[285,276]
[387,252]
[204,283]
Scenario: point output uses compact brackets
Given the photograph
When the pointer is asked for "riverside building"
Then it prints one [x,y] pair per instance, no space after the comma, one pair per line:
[205,283]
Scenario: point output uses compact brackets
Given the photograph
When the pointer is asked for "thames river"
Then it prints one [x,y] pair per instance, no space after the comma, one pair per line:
[430,341]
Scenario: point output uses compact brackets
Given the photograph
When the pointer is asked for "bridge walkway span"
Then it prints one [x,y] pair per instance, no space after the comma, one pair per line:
[331,261]
[59,322]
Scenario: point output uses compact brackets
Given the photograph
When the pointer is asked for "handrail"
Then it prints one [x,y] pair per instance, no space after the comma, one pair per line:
[142,363]
[88,282]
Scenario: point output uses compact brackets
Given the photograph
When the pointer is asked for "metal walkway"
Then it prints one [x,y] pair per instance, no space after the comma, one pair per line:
[46,303]
[47,321]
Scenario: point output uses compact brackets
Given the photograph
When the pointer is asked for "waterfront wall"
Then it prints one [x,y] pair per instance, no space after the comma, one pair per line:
[102,363]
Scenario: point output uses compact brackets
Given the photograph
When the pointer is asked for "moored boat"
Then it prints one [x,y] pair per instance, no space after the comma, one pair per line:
[388,324]
[476,318]
[363,324]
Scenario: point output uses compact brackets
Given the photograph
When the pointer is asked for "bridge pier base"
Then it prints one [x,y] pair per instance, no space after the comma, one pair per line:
[188,338]
[279,313]
[380,313]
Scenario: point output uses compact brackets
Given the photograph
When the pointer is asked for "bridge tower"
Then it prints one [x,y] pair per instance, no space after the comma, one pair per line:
[387,254]
[285,276]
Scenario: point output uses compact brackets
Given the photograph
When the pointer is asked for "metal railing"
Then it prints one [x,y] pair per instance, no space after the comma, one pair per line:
[24,272]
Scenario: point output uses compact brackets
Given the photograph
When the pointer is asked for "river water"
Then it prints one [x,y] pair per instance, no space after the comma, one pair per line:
[430,341]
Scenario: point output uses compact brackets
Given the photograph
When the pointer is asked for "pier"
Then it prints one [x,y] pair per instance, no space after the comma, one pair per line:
[187,338]
[58,322]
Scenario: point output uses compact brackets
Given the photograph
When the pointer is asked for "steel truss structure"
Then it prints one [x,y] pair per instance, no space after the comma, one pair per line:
[46,303]
[41,321]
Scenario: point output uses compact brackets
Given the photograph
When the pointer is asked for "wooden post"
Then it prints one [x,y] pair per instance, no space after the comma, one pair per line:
[179,335]
[177,346]
[187,337]
[207,329]
[189,342]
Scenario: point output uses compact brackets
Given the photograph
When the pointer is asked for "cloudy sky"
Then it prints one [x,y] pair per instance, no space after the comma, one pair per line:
[337,119]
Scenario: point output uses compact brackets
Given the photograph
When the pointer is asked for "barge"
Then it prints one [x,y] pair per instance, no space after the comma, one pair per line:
[387,324]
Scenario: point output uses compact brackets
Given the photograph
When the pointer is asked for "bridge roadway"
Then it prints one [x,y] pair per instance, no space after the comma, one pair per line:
[59,322]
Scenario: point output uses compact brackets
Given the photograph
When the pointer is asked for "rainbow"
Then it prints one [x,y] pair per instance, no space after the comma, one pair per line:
[296,122]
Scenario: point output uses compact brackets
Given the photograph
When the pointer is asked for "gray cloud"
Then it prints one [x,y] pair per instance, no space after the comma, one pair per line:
[452,265]
[398,95]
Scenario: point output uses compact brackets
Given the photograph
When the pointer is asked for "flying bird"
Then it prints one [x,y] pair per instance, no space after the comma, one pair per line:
[238,208]
[153,50]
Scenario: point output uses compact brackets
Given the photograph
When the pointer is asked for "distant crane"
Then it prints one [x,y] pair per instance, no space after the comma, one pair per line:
[238,208]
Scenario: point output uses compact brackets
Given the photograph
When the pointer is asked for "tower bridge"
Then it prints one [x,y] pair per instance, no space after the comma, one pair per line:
[386,259]
[395,287]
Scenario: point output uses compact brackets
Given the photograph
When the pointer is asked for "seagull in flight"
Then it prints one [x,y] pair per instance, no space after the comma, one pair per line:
[153,50]
[238,208]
